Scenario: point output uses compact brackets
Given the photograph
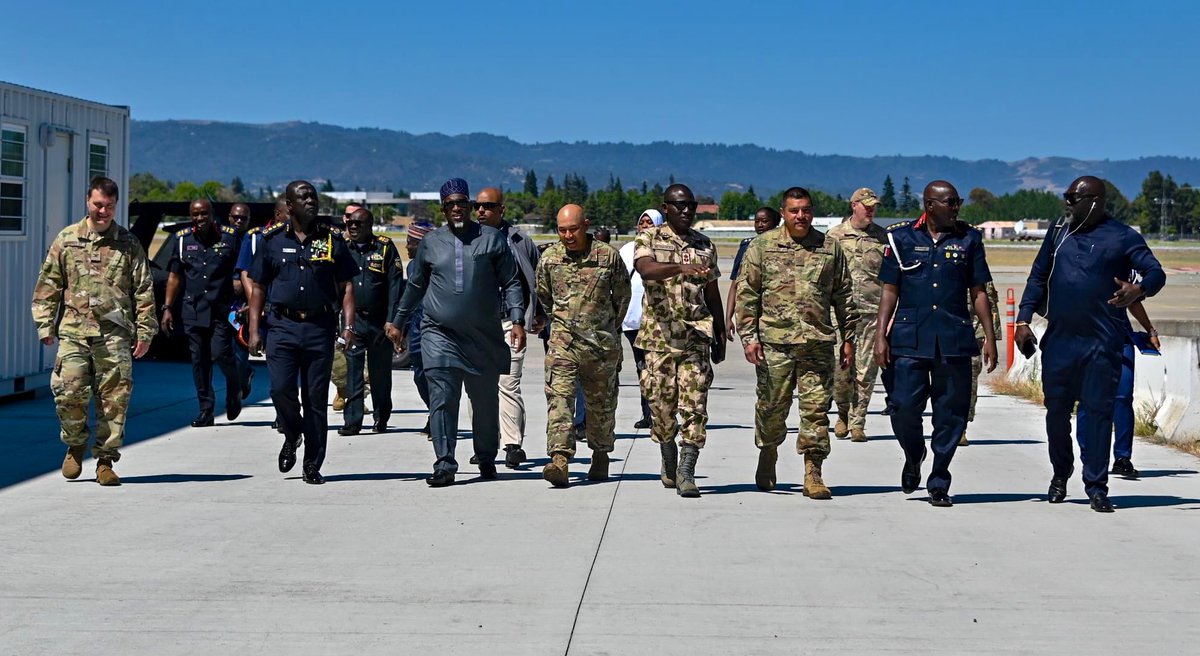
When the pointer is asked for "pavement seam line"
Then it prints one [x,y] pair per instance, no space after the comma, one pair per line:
[599,543]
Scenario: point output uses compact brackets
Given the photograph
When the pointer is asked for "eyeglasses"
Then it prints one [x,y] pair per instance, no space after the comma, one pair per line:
[948,202]
[1073,199]
[465,204]
[486,206]
[682,205]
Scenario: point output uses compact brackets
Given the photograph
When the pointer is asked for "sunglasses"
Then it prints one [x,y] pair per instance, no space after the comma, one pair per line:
[1073,199]
[682,205]
[353,223]
[486,206]
[466,204]
[948,202]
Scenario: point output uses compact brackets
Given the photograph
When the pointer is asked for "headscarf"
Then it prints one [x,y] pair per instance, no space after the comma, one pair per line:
[455,186]
[654,215]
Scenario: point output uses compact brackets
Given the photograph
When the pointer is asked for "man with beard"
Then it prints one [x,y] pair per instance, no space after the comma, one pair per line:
[682,333]
[1080,282]
[203,258]
[929,267]
[304,271]
[463,271]
[377,289]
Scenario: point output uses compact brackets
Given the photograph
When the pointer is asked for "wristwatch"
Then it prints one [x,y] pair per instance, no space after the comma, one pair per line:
[166,306]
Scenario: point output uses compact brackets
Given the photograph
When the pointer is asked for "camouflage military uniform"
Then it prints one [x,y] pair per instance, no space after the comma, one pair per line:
[95,295]
[586,297]
[977,361]
[676,334]
[784,297]
[864,255]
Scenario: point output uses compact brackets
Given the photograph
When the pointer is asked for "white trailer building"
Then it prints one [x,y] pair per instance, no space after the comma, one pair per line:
[51,146]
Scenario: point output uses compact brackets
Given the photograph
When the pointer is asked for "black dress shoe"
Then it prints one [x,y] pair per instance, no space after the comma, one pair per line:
[474,460]
[380,426]
[440,478]
[349,430]
[1058,490]
[940,498]
[1101,504]
[487,470]
[233,407]
[313,476]
[644,422]
[246,384]
[202,419]
[287,456]
[910,475]
[513,456]
[1123,467]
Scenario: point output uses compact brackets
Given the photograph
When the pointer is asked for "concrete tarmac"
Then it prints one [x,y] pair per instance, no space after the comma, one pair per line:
[208,549]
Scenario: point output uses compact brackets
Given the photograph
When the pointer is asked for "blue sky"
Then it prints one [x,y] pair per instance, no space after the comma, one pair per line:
[999,79]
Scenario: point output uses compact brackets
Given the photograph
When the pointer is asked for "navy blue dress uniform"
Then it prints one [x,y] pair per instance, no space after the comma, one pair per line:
[932,338]
[206,266]
[377,290]
[304,295]
[1070,283]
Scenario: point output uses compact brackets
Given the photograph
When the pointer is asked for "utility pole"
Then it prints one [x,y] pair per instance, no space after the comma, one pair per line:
[1164,202]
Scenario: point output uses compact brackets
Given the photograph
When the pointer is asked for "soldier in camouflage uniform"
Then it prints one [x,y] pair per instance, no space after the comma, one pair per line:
[977,361]
[791,278]
[95,297]
[862,241]
[584,286]
[682,329]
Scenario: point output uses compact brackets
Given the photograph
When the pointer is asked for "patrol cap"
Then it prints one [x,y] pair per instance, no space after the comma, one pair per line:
[865,196]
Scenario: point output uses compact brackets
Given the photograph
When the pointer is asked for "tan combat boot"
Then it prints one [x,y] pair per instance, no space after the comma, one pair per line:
[764,477]
[685,483]
[858,435]
[555,471]
[841,429]
[962,441]
[599,469]
[105,474]
[339,404]
[670,462]
[73,463]
[814,487]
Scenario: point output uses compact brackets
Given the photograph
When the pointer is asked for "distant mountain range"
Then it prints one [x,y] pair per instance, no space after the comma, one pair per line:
[375,159]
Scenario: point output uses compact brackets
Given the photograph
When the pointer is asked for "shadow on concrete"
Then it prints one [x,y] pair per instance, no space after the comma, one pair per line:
[164,400]
[738,488]
[728,426]
[1146,501]
[855,490]
[183,478]
[375,476]
[989,497]
[986,442]
[1159,473]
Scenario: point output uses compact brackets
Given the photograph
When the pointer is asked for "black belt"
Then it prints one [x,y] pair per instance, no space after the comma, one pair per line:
[301,315]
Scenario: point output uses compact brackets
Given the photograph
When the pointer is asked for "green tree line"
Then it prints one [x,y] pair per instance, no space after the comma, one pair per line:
[617,206]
